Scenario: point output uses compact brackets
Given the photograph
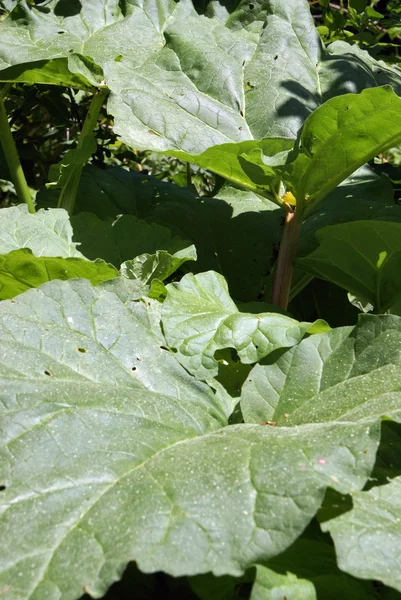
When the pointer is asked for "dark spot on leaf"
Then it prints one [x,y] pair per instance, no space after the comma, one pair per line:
[133,368]
[2,488]
[82,350]
[347,108]
[61,32]
[48,373]
[276,57]
[241,112]
[139,359]
[164,348]
[240,128]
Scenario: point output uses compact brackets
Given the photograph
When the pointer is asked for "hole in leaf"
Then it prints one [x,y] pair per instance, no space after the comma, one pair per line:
[276,57]
[164,348]
[82,350]
[48,373]
[251,6]
[138,359]
[133,368]
[2,488]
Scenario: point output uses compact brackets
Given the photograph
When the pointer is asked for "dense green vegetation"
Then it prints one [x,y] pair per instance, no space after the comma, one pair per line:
[200,300]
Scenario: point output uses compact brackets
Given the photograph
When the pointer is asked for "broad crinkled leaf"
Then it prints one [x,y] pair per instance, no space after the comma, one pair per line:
[346,374]
[21,270]
[99,29]
[364,257]
[113,453]
[199,317]
[271,586]
[368,538]
[46,233]
[346,68]
[234,74]
[124,238]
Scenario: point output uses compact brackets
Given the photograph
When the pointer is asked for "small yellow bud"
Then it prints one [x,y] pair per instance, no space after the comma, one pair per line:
[289,198]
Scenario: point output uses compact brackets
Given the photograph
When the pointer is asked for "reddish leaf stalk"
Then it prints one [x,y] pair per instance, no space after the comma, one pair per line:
[285,260]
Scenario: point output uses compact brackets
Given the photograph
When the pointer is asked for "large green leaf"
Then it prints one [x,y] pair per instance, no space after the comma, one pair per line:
[347,374]
[342,135]
[364,257]
[240,72]
[112,453]
[46,233]
[21,270]
[368,538]
[199,318]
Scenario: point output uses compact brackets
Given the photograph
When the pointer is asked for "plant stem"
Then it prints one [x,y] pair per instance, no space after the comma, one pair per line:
[69,193]
[285,260]
[12,158]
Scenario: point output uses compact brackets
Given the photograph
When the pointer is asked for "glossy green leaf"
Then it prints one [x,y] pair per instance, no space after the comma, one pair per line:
[364,195]
[342,135]
[368,538]
[21,270]
[199,318]
[364,257]
[270,585]
[112,452]
[347,374]
[50,72]
[248,164]
[46,233]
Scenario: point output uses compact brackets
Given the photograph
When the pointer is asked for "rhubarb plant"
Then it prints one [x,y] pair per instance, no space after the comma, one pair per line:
[179,416]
